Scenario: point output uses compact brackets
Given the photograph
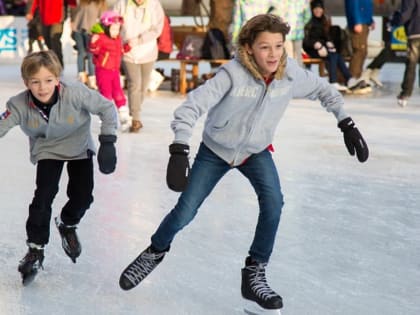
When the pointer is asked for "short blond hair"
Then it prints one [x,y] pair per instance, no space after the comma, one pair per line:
[34,61]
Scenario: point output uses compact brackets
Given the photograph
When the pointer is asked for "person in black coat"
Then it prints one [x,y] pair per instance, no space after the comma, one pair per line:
[318,43]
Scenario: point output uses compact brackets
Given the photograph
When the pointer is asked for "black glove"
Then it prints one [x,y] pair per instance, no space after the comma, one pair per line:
[107,158]
[353,139]
[178,167]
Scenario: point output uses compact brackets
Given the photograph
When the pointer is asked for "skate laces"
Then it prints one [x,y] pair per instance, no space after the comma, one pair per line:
[142,266]
[258,282]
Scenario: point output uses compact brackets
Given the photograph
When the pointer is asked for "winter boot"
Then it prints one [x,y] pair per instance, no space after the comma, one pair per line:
[255,288]
[374,77]
[29,265]
[140,268]
[83,77]
[125,118]
[402,100]
[91,82]
[136,125]
[359,86]
[69,239]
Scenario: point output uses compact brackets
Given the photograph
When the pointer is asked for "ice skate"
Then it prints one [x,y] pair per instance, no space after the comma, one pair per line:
[125,118]
[260,299]
[69,240]
[140,268]
[29,265]
[359,86]
[402,100]
[374,77]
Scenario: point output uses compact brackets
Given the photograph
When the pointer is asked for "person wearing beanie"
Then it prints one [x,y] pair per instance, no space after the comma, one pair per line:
[318,43]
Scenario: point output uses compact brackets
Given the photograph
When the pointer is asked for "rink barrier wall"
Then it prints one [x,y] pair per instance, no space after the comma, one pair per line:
[14,40]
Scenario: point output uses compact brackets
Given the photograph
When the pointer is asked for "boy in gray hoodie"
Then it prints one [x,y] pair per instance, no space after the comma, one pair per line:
[244,103]
[56,118]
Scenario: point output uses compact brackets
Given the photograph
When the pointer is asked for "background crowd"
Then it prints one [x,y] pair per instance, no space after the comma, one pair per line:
[146,29]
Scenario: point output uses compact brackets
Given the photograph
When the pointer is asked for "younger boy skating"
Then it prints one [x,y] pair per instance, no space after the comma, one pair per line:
[56,116]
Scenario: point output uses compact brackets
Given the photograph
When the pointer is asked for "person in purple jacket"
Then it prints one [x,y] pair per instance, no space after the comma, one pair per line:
[56,118]
[245,101]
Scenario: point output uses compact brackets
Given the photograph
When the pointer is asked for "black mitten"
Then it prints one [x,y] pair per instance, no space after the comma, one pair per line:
[178,167]
[107,158]
[353,139]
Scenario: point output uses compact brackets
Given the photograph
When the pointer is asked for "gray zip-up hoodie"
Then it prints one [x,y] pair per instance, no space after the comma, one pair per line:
[243,112]
[67,133]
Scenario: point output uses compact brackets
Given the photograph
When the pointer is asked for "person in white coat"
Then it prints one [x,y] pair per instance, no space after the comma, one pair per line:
[143,24]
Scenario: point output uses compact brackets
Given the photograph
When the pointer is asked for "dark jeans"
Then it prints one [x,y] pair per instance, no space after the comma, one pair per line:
[52,37]
[79,192]
[413,55]
[206,171]
[334,61]
[383,57]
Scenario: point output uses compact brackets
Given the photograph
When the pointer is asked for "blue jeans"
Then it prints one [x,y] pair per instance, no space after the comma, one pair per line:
[83,55]
[206,171]
[336,61]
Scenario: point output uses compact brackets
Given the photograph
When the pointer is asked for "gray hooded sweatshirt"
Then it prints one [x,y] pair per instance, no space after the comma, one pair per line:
[243,111]
[67,133]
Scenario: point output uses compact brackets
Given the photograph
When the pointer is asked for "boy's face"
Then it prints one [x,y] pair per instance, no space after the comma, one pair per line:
[267,50]
[42,85]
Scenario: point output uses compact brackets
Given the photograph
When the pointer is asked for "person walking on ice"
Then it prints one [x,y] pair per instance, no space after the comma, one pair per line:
[56,117]
[244,103]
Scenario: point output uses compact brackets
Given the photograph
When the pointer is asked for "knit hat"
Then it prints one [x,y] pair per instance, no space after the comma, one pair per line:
[317,4]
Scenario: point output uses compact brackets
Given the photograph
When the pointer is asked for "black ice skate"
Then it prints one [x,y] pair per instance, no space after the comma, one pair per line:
[29,265]
[69,240]
[255,288]
[140,268]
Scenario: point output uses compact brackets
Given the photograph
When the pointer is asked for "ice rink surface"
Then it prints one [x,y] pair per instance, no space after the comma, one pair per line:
[348,242]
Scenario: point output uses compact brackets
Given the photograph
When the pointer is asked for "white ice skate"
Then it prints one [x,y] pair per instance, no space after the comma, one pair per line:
[252,308]
[125,118]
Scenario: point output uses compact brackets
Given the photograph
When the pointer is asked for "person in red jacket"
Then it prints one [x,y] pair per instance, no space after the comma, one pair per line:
[165,40]
[107,49]
[52,19]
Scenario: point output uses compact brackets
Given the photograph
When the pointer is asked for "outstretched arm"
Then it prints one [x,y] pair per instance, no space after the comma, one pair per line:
[8,119]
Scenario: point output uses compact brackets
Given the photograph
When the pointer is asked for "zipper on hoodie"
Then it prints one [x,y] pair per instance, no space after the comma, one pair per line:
[252,119]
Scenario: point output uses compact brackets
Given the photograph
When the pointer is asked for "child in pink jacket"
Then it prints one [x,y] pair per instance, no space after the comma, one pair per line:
[107,49]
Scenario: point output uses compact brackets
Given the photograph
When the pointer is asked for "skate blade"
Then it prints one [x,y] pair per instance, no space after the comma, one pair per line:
[28,278]
[252,308]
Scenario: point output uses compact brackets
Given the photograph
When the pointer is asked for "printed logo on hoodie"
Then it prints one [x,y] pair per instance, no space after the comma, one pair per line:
[245,91]
[5,114]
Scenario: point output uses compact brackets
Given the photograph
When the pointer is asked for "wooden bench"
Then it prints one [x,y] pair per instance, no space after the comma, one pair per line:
[320,63]
[192,68]
[316,61]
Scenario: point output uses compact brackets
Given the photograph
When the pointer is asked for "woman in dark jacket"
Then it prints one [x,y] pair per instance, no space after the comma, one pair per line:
[318,43]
